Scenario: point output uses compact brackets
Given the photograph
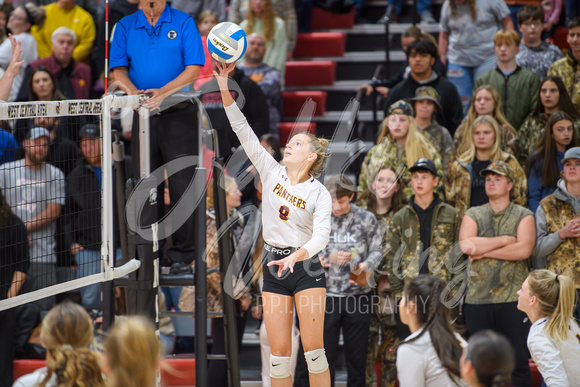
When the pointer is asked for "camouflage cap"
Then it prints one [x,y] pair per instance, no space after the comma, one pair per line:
[499,168]
[427,92]
[572,153]
[403,106]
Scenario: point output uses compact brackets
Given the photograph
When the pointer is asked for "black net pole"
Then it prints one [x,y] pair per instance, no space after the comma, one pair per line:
[200,291]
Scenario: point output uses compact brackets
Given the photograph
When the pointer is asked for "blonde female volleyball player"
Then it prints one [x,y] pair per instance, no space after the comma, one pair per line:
[296,216]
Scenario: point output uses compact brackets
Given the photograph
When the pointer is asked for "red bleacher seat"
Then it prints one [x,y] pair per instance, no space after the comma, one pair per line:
[26,366]
[293,101]
[326,20]
[286,129]
[179,372]
[561,38]
[320,44]
[307,73]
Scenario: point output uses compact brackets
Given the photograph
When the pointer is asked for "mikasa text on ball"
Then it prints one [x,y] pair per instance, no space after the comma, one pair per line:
[227,42]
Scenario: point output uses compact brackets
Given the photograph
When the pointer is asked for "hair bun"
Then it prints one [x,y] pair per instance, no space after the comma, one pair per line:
[324,142]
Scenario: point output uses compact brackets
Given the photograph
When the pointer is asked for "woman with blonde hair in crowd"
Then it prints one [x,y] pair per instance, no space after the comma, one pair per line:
[400,143]
[554,338]
[464,186]
[262,19]
[486,101]
[67,334]
[131,354]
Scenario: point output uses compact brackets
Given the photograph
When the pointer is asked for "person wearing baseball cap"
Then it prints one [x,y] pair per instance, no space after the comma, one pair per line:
[399,144]
[427,103]
[558,225]
[434,222]
[498,237]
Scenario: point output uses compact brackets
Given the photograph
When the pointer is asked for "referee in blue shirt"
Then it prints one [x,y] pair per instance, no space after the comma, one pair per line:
[158,50]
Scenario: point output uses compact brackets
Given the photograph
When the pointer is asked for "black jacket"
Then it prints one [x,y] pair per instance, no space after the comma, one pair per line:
[452,113]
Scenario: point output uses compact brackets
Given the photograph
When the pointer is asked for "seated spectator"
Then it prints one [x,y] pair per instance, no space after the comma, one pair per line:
[488,361]
[545,162]
[430,355]
[67,334]
[131,354]
[5,11]
[407,37]
[554,339]
[566,68]
[395,7]
[66,13]
[518,87]
[268,78]
[196,9]
[399,144]
[20,22]
[466,34]
[422,55]
[535,54]
[238,11]
[557,225]
[73,77]
[427,103]
[485,101]
[207,20]
[553,97]
[464,186]
[262,19]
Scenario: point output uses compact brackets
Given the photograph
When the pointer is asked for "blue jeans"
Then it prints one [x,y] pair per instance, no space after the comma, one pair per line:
[513,14]
[422,6]
[464,78]
[88,263]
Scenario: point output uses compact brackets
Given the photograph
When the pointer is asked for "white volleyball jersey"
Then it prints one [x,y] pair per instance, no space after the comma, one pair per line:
[292,215]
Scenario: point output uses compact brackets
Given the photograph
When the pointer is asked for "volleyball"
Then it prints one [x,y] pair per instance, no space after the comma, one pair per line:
[227,42]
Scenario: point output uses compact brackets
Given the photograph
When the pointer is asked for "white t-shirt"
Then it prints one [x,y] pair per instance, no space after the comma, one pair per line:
[33,379]
[559,363]
[418,364]
[29,54]
[292,215]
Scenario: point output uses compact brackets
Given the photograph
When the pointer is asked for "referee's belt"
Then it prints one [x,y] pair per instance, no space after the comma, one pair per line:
[280,250]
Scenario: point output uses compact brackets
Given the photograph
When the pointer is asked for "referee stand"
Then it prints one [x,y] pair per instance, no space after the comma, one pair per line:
[142,241]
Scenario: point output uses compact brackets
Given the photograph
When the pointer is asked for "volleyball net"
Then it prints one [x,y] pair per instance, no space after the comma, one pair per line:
[56,217]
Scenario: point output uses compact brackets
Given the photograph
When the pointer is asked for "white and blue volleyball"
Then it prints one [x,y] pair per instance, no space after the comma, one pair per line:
[227,42]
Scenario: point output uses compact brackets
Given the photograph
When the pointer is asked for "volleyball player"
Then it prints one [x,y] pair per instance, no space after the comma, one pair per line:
[296,212]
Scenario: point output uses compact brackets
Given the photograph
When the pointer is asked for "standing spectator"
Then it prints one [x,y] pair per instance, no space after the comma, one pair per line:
[422,235]
[383,198]
[488,361]
[284,8]
[207,20]
[567,67]
[518,87]
[153,62]
[485,102]
[196,8]
[553,97]
[20,22]
[66,13]
[430,355]
[5,11]
[73,77]
[467,28]
[35,192]
[262,19]
[15,263]
[427,103]
[399,144]
[557,223]
[395,7]
[535,54]
[464,186]
[422,54]
[268,78]
[354,246]
[554,340]
[498,237]
[545,162]
[552,14]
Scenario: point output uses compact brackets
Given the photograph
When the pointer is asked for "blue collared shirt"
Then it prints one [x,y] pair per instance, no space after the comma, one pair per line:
[156,55]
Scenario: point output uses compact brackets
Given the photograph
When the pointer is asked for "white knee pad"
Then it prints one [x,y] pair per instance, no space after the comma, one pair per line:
[316,360]
[280,367]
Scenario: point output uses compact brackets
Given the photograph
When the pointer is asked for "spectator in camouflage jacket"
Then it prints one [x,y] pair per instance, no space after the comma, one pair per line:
[558,225]
[399,145]
[568,67]
[427,103]
[464,186]
[499,238]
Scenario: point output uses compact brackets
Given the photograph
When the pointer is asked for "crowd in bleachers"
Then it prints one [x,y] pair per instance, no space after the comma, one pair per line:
[475,165]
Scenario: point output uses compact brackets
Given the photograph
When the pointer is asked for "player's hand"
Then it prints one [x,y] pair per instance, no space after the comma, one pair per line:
[223,72]
[289,261]
[157,97]
[15,62]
